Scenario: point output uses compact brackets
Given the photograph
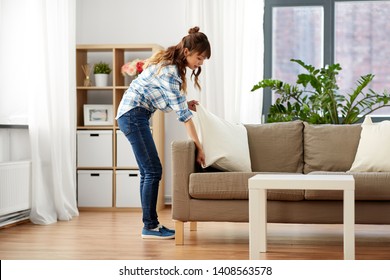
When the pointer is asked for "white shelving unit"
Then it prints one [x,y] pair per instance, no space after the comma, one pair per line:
[108,176]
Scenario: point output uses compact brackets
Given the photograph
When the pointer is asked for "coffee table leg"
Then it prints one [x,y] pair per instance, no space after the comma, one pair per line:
[263,220]
[349,225]
[254,243]
[257,223]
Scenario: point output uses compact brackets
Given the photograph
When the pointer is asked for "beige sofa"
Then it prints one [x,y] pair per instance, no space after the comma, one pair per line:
[293,147]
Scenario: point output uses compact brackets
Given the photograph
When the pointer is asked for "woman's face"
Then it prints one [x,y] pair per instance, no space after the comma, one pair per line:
[194,60]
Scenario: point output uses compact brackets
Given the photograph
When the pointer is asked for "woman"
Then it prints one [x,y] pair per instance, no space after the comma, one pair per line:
[161,85]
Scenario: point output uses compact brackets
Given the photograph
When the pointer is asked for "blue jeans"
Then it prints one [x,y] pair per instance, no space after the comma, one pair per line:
[135,125]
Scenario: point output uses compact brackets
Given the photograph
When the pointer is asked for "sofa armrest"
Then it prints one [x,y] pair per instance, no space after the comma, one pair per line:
[183,164]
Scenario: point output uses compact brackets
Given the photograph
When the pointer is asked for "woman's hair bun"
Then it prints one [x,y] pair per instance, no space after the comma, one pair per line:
[193,30]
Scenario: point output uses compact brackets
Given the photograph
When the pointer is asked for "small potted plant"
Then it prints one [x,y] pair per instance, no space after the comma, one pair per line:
[101,71]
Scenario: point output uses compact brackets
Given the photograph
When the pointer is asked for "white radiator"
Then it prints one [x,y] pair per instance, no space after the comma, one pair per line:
[15,191]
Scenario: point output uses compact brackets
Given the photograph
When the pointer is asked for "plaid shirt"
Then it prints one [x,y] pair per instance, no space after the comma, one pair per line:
[154,89]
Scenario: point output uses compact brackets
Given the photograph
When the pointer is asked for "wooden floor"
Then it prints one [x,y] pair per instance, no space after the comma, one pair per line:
[116,236]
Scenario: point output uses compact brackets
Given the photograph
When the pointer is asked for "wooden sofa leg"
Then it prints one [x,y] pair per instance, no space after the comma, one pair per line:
[193,226]
[179,233]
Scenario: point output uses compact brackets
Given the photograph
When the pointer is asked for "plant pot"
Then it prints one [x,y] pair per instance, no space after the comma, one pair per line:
[101,80]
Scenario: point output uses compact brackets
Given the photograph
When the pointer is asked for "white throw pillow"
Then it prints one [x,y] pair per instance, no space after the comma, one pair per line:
[225,144]
[373,153]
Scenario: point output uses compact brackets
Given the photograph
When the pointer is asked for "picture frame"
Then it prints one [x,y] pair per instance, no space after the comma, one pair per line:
[98,114]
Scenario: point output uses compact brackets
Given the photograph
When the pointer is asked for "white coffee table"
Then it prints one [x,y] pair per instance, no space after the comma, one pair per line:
[258,186]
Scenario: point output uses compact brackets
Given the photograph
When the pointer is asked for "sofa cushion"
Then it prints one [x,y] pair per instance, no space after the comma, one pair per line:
[373,153]
[276,147]
[225,144]
[232,185]
[368,186]
[330,147]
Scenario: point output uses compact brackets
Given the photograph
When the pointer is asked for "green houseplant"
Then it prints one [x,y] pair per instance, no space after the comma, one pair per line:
[101,68]
[315,98]
[101,71]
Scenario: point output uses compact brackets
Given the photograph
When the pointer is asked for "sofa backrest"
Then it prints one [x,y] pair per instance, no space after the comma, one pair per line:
[276,147]
[330,147]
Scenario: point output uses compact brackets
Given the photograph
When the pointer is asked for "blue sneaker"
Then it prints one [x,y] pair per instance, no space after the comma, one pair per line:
[166,229]
[157,233]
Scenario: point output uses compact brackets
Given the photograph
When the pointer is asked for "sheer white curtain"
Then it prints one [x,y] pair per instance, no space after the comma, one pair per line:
[235,31]
[13,106]
[45,52]
[51,110]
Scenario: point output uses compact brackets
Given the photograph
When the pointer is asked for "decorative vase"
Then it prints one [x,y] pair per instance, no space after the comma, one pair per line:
[87,72]
[87,82]
[101,80]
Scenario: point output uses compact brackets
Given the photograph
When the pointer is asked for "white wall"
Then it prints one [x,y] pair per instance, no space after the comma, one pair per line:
[136,22]
[14,144]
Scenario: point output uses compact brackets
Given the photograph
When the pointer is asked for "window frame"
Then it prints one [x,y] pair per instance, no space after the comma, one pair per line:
[329,37]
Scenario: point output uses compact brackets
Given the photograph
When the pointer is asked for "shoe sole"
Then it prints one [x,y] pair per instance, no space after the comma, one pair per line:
[146,236]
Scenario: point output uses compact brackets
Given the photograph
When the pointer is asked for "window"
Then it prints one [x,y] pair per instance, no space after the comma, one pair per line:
[293,39]
[320,32]
[362,45]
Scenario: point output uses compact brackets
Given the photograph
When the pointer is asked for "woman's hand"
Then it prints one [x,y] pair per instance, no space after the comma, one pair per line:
[191,131]
[200,157]
[191,105]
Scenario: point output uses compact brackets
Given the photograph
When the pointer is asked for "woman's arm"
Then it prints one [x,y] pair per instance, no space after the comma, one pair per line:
[190,127]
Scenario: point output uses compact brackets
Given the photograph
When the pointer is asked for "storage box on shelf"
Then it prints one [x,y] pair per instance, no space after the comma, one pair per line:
[107,170]
[94,188]
[127,188]
[92,148]
[124,155]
